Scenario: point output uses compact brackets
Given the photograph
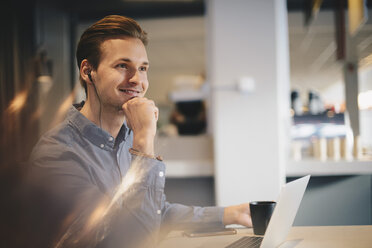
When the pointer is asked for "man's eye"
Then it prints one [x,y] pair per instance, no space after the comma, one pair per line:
[143,68]
[123,66]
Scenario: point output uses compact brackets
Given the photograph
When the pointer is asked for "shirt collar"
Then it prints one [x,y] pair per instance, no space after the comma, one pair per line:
[92,132]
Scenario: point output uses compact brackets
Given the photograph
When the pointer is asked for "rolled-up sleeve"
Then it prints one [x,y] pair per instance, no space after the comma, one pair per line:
[178,216]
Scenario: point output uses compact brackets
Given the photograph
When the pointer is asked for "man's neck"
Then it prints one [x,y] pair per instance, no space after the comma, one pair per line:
[109,120]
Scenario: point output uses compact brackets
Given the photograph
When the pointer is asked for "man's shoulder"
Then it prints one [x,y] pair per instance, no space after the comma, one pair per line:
[59,134]
[55,140]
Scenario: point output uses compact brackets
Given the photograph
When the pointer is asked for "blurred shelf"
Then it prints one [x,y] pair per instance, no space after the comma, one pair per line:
[329,168]
[328,117]
[186,156]
[205,168]
[192,156]
[189,168]
[185,148]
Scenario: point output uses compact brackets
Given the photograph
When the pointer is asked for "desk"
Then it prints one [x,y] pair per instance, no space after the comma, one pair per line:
[299,237]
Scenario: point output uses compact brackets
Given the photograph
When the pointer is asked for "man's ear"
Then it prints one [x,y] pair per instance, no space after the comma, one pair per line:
[85,71]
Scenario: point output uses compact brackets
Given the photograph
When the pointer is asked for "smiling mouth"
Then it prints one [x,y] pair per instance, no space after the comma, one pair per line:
[129,91]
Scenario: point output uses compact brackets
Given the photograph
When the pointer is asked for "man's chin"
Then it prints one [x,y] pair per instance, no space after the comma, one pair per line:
[126,99]
[120,111]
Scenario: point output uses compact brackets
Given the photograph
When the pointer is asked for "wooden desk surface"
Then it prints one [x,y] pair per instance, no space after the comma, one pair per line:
[299,237]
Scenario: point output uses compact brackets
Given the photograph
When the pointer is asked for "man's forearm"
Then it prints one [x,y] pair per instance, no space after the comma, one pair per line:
[144,142]
[178,216]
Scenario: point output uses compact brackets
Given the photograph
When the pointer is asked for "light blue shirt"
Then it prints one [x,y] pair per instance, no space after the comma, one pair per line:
[80,166]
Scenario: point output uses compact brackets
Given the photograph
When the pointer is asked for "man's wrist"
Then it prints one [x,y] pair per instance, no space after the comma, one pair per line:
[144,143]
[138,153]
[229,215]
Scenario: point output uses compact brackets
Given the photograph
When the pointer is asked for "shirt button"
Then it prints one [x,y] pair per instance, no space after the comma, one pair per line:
[102,145]
[158,212]
[111,139]
[161,174]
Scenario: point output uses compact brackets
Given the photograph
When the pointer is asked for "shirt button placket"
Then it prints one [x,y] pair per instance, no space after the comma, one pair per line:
[161,174]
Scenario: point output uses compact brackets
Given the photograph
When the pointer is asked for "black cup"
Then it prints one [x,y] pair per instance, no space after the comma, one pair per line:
[261,212]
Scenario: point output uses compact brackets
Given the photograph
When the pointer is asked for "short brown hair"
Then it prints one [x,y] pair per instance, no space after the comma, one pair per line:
[107,28]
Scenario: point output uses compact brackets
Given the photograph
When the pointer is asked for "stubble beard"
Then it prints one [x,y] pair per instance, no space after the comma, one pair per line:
[112,106]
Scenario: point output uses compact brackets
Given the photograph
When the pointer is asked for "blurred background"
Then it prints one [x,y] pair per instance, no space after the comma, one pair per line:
[251,94]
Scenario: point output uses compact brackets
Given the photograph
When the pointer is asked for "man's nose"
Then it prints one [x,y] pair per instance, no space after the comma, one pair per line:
[135,77]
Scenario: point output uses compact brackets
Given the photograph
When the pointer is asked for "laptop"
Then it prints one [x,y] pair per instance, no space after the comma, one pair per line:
[282,218]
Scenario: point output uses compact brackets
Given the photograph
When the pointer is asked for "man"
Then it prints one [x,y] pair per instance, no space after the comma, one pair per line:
[97,172]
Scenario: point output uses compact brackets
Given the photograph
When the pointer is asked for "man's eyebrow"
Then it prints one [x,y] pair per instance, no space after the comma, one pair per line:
[130,61]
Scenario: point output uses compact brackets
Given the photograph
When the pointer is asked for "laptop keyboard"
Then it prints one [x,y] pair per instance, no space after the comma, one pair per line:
[246,242]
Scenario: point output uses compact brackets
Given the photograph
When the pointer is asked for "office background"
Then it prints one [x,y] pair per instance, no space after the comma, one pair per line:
[242,58]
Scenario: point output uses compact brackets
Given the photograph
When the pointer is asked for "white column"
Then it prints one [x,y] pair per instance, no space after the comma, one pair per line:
[251,130]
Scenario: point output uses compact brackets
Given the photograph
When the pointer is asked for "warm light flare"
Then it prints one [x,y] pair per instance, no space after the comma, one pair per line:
[18,102]
[62,110]
[97,222]
[96,216]
[130,179]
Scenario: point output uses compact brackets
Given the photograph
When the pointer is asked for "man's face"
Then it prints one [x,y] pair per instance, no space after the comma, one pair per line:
[122,71]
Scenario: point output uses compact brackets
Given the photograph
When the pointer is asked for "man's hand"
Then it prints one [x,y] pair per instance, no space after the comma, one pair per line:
[238,214]
[141,115]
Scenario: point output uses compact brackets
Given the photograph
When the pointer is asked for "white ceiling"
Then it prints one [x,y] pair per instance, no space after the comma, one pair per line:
[177,46]
[313,51]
